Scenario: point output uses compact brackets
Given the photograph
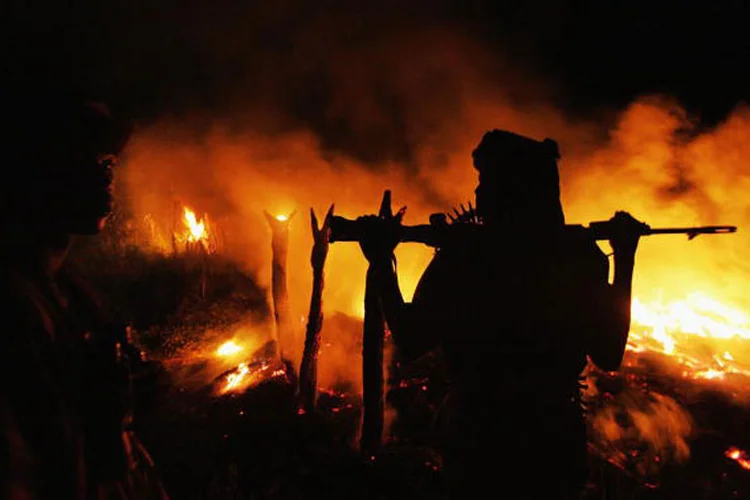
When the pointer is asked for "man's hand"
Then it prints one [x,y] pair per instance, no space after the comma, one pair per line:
[626,232]
[382,232]
[321,235]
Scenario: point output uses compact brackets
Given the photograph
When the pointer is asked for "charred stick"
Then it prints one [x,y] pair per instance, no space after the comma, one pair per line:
[308,381]
[373,343]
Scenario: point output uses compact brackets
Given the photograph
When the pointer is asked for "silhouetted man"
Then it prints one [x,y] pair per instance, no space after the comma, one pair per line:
[63,389]
[516,303]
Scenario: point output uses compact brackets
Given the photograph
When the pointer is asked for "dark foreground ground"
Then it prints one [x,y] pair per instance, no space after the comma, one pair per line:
[255,445]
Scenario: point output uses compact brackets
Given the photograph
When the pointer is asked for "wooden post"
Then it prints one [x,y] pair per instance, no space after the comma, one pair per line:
[279,248]
[373,341]
[308,372]
[373,413]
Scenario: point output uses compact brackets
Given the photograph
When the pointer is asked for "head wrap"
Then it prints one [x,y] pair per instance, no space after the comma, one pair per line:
[520,170]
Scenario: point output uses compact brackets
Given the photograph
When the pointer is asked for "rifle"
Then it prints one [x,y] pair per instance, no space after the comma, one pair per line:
[434,234]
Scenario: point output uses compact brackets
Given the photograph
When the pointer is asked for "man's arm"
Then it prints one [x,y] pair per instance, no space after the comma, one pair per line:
[608,336]
[410,324]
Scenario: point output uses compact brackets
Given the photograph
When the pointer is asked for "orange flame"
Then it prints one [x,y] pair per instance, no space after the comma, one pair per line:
[229,348]
[196,227]
[698,333]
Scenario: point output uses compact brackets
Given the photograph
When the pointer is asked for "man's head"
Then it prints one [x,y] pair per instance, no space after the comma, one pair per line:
[518,180]
[58,156]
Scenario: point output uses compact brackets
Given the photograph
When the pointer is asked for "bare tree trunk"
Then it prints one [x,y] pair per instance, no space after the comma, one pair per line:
[279,249]
[280,293]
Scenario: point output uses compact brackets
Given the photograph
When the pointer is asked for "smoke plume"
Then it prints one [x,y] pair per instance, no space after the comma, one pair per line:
[402,111]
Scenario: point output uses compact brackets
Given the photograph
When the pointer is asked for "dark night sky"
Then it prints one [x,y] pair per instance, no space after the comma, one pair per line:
[177,57]
[607,52]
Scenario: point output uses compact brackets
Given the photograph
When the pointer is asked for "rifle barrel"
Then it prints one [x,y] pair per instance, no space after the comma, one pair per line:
[694,230]
[604,230]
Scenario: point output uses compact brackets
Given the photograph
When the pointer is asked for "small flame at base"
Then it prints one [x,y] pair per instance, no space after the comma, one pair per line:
[739,456]
[246,376]
[235,379]
[196,227]
[196,232]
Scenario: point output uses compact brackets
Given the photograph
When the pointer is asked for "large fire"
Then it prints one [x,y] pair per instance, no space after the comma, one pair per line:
[697,332]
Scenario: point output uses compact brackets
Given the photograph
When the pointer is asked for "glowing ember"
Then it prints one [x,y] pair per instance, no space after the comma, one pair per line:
[229,348]
[698,333]
[640,431]
[235,379]
[738,456]
[246,376]
[709,374]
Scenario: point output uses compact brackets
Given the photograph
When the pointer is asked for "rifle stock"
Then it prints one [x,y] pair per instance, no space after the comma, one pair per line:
[433,235]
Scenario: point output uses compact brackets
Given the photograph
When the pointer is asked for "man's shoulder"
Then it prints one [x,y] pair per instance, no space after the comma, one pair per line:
[456,257]
[580,240]
[581,251]
[461,240]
